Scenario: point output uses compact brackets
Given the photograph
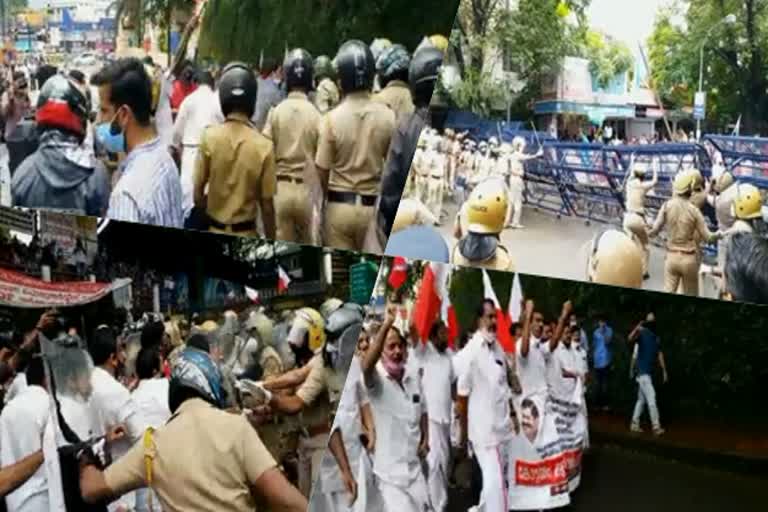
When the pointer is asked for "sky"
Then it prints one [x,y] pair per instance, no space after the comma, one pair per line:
[629,21]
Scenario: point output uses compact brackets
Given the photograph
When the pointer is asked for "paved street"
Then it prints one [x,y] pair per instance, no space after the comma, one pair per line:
[556,248]
[616,479]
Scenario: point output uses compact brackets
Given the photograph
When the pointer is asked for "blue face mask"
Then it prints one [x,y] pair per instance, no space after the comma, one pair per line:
[111,136]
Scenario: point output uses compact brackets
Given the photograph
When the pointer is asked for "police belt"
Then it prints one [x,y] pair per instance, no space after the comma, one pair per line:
[249,225]
[191,146]
[437,176]
[335,196]
[685,253]
[288,179]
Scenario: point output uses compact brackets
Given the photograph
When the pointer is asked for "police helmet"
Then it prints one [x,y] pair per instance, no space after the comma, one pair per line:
[355,66]
[299,70]
[237,90]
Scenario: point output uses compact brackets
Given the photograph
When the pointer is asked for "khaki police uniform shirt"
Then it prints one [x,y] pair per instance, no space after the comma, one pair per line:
[292,127]
[397,96]
[205,459]
[327,95]
[353,144]
[238,164]
[320,379]
[501,260]
[636,191]
[685,225]
[271,364]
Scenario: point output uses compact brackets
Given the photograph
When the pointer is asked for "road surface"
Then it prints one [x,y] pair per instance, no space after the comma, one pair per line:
[557,247]
[616,479]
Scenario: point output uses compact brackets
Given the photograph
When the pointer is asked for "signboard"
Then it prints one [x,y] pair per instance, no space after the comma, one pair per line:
[362,278]
[700,106]
[22,291]
[17,220]
[66,230]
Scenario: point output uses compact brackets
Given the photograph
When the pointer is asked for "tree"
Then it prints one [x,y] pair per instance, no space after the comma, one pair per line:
[607,58]
[736,58]
[269,27]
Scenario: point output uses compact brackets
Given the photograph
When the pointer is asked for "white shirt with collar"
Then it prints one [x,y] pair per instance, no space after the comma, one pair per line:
[111,404]
[198,111]
[485,382]
[397,411]
[436,377]
[151,399]
[18,384]
[532,369]
[564,358]
[22,423]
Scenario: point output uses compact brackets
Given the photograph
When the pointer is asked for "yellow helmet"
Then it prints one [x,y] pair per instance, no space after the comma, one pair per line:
[311,322]
[684,183]
[698,179]
[440,42]
[487,208]
[209,326]
[723,181]
[748,203]
[615,260]
[329,306]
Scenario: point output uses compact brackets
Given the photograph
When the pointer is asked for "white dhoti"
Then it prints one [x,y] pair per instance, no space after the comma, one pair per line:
[494,464]
[413,497]
[188,160]
[438,461]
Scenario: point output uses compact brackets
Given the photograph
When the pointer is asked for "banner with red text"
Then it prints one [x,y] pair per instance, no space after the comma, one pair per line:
[22,291]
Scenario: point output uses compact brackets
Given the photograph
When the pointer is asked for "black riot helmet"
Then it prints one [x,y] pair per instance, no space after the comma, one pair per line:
[393,64]
[324,68]
[299,70]
[424,72]
[237,90]
[355,66]
[62,104]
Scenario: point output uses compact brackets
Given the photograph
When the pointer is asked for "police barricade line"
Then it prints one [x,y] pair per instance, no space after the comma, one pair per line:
[543,191]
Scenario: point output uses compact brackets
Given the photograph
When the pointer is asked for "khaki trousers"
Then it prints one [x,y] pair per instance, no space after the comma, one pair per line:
[346,225]
[292,212]
[681,271]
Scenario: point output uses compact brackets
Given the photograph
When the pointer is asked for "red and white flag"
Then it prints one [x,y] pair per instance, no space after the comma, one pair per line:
[252,294]
[433,302]
[502,318]
[447,311]
[516,301]
[399,273]
[283,280]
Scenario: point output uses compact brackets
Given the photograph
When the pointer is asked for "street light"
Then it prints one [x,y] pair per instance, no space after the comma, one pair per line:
[729,20]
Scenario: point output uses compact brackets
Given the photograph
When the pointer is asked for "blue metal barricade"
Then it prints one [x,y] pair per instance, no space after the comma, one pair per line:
[745,157]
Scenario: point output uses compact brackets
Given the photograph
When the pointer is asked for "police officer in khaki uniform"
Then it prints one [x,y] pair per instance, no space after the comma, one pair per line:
[700,190]
[686,229]
[316,398]
[481,246]
[615,260]
[634,218]
[353,144]
[747,208]
[392,69]
[236,162]
[327,94]
[292,127]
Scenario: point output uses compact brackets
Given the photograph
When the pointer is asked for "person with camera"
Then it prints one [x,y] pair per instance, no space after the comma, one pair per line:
[647,351]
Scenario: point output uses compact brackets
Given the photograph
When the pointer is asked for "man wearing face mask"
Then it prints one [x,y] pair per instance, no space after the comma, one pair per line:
[149,187]
[400,415]
[62,174]
[484,403]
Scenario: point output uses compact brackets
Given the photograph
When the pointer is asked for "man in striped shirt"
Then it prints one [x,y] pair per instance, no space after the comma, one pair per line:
[149,187]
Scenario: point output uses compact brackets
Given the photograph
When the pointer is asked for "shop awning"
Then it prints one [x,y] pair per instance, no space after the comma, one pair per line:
[22,291]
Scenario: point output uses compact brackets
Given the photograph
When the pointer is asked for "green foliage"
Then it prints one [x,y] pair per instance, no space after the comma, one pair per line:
[735,59]
[715,351]
[607,58]
[478,92]
[233,29]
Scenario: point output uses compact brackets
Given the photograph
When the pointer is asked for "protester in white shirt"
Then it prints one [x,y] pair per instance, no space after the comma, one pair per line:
[437,379]
[198,111]
[151,399]
[533,354]
[22,424]
[18,384]
[484,397]
[111,404]
[401,421]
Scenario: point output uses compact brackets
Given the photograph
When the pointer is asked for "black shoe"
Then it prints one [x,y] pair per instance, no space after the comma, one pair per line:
[646,276]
